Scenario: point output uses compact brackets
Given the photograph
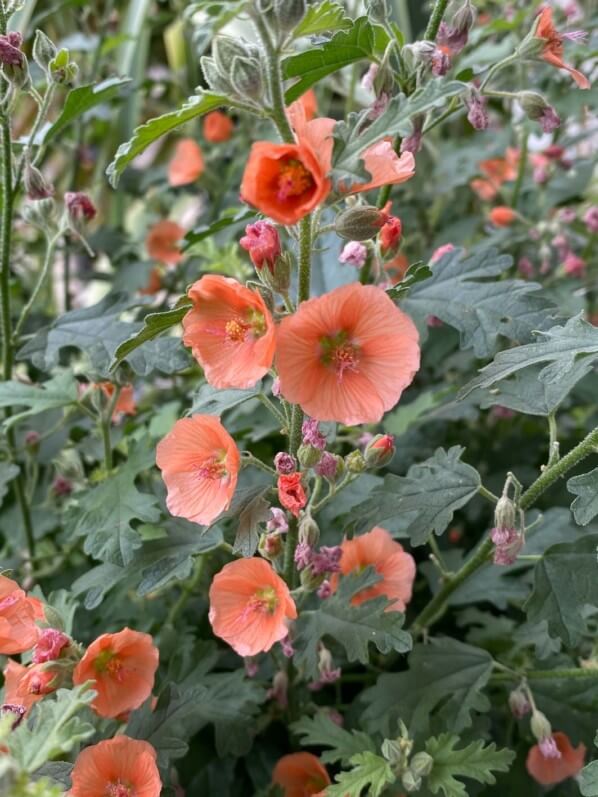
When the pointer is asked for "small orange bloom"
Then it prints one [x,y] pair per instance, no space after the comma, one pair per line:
[397,568]
[548,771]
[553,48]
[496,171]
[309,103]
[18,613]
[162,242]
[187,164]
[125,404]
[24,686]
[230,332]
[250,606]
[217,127]
[122,667]
[119,767]
[200,464]
[348,355]
[502,216]
[300,775]
[291,493]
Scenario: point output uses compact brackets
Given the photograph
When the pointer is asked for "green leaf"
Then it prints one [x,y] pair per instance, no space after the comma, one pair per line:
[97,331]
[563,351]
[61,391]
[321,731]
[197,105]
[154,324]
[228,219]
[353,627]
[588,780]
[424,500]
[482,310]
[351,138]
[345,47]
[322,17]
[560,598]
[103,514]
[370,771]
[8,472]
[52,728]
[585,487]
[443,685]
[210,401]
[256,511]
[417,272]
[477,761]
[83,99]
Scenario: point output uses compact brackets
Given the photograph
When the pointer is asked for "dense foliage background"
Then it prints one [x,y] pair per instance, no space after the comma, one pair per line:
[95,375]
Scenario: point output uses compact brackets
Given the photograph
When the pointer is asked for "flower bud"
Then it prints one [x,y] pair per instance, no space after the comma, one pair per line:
[421,764]
[44,50]
[289,13]
[310,581]
[355,462]
[262,241]
[505,513]
[540,726]
[390,235]
[32,441]
[309,531]
[359,223]
[214,78]
[40,213]
[308,455]
[519,703]
[377,10]
[354,254]
[36,186]
[537,109]
[465,17]
[79,209]
[246,77]
[226,48]
[61,69]
[502,216]
[477,113]
[285,463]
[393,751]
[270,546]
[330,466]
[410,781]
[379,451]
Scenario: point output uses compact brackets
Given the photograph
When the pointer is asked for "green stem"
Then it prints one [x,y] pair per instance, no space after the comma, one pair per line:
[105,423]
[39,120]
[186,592]
[496,68]
[520,171]
[435,19]
[303,294]
[247,458]
[270,406]
[349,478]
[436,607]
[278,112]
[487,494]
[51,245]
[289,569]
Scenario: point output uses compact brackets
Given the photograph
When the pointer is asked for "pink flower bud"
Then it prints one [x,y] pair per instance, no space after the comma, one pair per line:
[390,235]
[591,218]
[574,266]
[49,646]
[10,50]
[380,451]
[519,704]
[62,486]
[79,207]
[262,241]
[354,254]
[285,463]
[439,253]
[327,466]
[312,435]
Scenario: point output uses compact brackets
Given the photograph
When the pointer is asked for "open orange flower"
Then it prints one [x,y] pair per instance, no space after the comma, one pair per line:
[125,404]
[553,47]
[217,127]
[230,332]
[162,242]
[287,181]
[300,775]
[187,163]
[548,771]
[250,606]
[119,767]
[122,667]
[378,549]
[24,686]
[18,614]
[496,171]
[348,355]
[309,103]
[200,465]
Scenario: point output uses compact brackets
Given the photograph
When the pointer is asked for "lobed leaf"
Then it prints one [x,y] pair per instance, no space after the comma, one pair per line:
[61,391]
[322,17]
[585,487]
[370,771]
[477,761]
[154,324]
[321,731]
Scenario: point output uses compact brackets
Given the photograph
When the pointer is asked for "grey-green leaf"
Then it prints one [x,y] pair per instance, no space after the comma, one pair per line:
[588,780]
[477,761]
[322,17]
[585,487]
[61,391]
[370,772]
[256,511]
[210,401]
[154,325]
[321,731]
[8,472]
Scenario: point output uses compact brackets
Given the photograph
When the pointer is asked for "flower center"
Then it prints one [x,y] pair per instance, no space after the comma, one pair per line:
[293,179]
[340,353]
[235,330]
[264,600]
[108,662]
[119,789]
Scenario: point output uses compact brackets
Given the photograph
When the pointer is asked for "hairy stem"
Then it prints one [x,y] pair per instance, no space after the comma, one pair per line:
[520,171]
[278,112]
[435,19]
[43,275]
[303,294]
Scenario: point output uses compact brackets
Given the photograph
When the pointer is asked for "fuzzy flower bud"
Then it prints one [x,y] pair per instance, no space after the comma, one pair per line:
[270,546]
[519,703]
[36,186]
[477,113]
[421,764]
[410,781]
[10,50]
[289,13]
[540,726]
[377,10]
[574,266]
[354,254]
[355,462]
[278,521]
[79,208]
[505,513]
[379,451]
[285,463]
[308,455]
[327,466]
[359,223]
[50,645]
[454,36]
[413,142]
[309,531]
[390,235]
[537,109]
[262,241]
[246,77]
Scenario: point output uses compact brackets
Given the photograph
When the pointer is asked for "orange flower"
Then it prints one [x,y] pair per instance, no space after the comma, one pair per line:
[119,767]
[548,771]
[553,47]
[291,493]
[497,171]
[348,355]
[300,775]
[230,332]
[162,242]
[287,181]
[309,103]
[24,686]
[250,606]
[187,164]
[125,404]
[123,667]
[397,568]
[200,464]
[217,127]
[18,613]
[502,216]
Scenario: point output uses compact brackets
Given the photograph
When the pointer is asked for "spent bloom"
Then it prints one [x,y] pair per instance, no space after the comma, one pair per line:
[508,542]
[278,521]
[79,207]
[554,759]
[50,645]
[477,112]
[187,163]
[327,466]
[285,463]
[162,242]
[591,218]
[312,436]
[200,464]
[10,49]
[123,667]
[300,775]
[217,127]
[348,355]
[230,332]
[291,493]
[552,51]
[18,616]
[262,241]
[250,606]
[118,767]
[395,566]
[354,254]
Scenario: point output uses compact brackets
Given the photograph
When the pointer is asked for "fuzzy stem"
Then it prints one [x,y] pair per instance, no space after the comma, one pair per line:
[51,245]
[435,19]
[278,112]
[520,171]
[303,294]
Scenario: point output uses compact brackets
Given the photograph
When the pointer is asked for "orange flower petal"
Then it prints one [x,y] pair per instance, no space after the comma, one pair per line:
[187,164]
